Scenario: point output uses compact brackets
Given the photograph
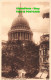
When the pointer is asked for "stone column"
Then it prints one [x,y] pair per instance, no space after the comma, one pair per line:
[24,36]
[29,37]
[12,36]
[17,35]
[20,35]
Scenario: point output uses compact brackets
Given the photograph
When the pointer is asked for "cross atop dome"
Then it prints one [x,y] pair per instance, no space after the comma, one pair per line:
[20,13]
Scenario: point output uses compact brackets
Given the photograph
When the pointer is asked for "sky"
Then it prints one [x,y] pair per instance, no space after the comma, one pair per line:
[37,23]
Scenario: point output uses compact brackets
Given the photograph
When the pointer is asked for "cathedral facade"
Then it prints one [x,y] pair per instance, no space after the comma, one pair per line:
[20,29]
[20,52]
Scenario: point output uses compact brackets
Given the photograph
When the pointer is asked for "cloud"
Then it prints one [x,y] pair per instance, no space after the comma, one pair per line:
[5,25]
[4,37]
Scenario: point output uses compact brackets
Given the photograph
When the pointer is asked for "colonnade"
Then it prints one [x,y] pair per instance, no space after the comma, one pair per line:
[20,36]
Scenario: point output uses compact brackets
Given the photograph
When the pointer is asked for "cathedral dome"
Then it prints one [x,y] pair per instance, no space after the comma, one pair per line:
[20,29]
[19,23]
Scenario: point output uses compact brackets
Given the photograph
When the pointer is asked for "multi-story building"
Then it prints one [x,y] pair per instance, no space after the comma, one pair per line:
[44,53]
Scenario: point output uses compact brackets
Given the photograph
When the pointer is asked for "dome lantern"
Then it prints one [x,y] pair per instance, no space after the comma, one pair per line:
[20,13]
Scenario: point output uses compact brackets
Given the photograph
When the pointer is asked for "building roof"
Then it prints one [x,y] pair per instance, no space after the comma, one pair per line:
[20,22]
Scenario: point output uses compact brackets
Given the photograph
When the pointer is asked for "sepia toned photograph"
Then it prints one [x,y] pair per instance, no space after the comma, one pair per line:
[25,31]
